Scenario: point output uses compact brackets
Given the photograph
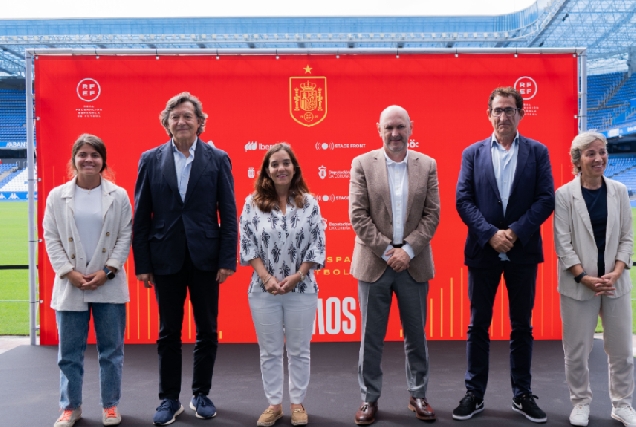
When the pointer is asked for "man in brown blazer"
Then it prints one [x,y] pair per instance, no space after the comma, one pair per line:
[394,211]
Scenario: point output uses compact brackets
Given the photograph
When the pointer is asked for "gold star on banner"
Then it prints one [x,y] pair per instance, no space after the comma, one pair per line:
[307,69]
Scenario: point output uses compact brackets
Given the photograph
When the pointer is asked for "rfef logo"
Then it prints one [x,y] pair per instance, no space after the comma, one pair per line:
[88,90]
[527,87]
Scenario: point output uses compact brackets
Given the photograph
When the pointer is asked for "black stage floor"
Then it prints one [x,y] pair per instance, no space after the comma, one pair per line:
[29,380]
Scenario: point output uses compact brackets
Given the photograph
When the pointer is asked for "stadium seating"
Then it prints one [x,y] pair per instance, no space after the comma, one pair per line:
[12,115]
[16,181]
[611,100]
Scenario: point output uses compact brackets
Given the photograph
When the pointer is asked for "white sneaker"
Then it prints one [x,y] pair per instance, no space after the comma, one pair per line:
[111,416]
[69,417]
[625,414]
[580,414]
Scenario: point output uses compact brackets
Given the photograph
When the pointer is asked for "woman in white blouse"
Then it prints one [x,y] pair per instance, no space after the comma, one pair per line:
[87,231]
[283,239]
[594,244]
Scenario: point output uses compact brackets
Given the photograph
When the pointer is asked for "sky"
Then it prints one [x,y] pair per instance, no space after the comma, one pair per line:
[48,9]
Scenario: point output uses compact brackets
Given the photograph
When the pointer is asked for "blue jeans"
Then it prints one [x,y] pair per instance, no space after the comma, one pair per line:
[72,327]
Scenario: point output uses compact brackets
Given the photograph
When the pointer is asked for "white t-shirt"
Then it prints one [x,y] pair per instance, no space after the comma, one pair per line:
[88,218]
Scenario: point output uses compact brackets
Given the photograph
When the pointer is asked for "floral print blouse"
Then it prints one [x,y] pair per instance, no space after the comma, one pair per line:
[283,241]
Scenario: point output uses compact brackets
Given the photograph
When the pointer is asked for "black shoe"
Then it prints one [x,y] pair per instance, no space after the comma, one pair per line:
[528,407]
[468,406]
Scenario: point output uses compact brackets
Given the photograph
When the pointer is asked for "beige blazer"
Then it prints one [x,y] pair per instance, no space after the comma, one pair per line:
[66,253]
[372,217]
[574,238]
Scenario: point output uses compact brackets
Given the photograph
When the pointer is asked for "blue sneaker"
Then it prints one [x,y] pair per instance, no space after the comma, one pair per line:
[203,406]
[167,412]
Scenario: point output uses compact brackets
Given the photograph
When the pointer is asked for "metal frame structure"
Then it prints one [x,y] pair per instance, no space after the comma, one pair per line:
[32,53]
[607,28]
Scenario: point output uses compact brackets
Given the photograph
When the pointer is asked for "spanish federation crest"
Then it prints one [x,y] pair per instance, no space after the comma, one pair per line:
[308,99]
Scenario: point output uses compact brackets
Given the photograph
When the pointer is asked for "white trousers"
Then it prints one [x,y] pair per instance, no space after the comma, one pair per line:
[284,320]
[579,320]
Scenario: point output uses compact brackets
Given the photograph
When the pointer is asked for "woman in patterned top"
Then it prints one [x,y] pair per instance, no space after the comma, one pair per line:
[283,239]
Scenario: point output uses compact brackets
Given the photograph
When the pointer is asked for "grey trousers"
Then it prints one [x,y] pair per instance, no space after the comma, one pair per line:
[579,321]
[375,303]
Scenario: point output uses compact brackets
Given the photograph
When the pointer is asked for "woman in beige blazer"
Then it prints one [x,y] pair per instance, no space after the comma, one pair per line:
[594,245]
[87,231]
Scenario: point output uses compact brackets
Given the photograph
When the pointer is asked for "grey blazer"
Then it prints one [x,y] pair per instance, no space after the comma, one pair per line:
[372,217]
[574,238]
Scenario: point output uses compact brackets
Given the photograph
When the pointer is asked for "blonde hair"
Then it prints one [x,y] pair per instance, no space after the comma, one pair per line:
[580,143]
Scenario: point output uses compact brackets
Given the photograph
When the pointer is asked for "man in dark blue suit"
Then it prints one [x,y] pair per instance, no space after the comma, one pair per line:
[183,188]
[505,191]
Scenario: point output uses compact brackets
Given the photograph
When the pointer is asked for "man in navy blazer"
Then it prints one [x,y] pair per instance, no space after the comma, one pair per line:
[183,188]
[505,191]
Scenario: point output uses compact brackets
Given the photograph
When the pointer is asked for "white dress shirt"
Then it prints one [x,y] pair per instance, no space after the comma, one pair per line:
[504,163]
[183,165]
[399,189]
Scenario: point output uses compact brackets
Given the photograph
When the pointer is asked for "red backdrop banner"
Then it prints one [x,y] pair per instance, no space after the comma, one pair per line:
[327,108]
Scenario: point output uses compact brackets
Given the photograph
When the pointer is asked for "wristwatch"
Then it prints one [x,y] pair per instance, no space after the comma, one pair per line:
[578,278]
[109,273]
[302,276]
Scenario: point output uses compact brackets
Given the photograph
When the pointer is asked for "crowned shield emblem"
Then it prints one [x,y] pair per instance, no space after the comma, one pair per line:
[322,172]
[308,99]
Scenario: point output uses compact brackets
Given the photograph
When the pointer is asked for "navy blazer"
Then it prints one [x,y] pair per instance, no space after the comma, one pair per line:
[164,225]
[479,204]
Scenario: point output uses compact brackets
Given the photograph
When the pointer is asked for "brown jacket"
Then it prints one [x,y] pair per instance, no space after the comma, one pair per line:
[372,217]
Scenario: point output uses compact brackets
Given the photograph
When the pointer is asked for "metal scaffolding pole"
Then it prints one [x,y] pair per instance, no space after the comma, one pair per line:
[34,301]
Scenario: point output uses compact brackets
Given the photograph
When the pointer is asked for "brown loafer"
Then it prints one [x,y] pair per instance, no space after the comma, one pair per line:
[366,413]
[422,409]
[299,417]
[269,417]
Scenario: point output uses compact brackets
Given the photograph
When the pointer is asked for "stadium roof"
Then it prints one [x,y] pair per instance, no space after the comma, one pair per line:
[607,28]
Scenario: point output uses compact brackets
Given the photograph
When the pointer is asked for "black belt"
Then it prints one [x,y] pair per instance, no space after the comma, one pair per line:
[398,245]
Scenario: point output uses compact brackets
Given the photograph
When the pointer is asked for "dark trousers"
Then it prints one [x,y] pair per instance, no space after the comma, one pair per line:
[171,292]
[520,282]
[375,303]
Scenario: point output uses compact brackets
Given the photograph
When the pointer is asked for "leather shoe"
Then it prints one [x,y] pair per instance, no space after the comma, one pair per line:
[422,409]
[366,413]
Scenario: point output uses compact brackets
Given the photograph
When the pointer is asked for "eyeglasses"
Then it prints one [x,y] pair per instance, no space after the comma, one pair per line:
[508,111]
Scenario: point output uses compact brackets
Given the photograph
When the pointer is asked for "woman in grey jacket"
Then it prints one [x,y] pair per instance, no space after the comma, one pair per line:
[87,231]
[594,245]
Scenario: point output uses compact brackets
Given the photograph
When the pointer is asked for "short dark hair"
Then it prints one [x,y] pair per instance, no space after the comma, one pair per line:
[265,196]
[178,100]
[506,91]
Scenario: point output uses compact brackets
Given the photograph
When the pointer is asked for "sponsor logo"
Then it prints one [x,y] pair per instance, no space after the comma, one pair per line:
[308,99]
[332,146]
[14,196]
[527,87]
[413,144]
[333,198]
[338,226]
[335,315]
[88,89]
[339,174]
[251,173]
[255,145]
[323,173]
[15,144]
